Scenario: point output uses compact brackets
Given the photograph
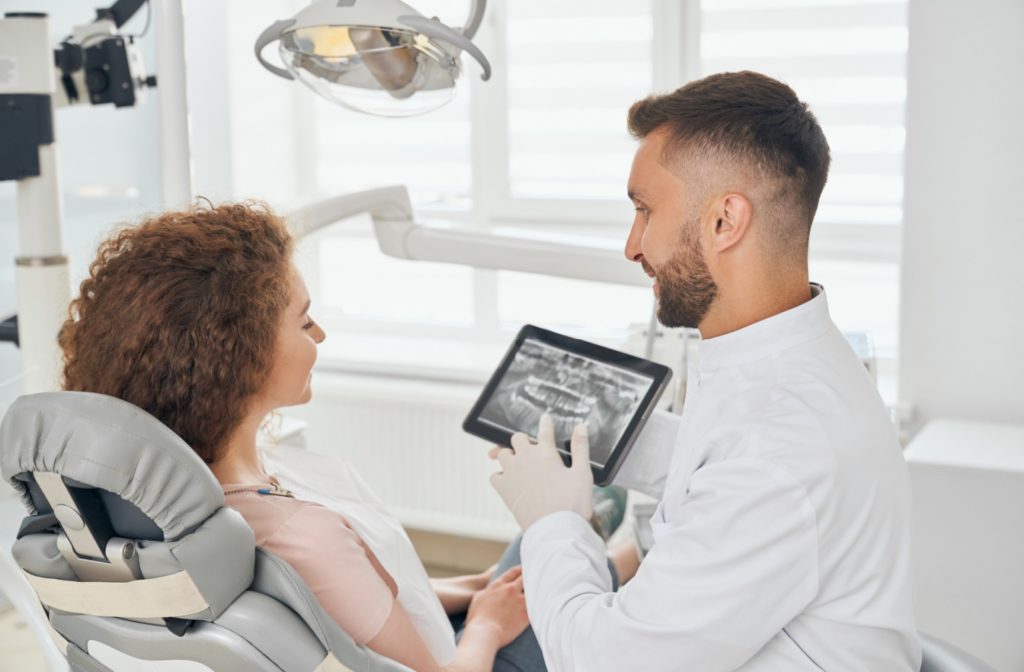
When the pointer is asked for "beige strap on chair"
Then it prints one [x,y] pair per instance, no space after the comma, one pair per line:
[331,664]
[172,596]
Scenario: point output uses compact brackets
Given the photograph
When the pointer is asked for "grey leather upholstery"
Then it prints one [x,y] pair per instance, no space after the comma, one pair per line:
[940,656]
[261,615]
[277,579]
[105,443]
[113,445]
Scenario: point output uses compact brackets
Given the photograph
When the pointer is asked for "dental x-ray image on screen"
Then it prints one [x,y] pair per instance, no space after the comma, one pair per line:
[571,388]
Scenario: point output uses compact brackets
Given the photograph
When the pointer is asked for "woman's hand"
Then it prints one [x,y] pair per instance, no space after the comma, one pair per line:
[484,577]
[500,608]
[456,592]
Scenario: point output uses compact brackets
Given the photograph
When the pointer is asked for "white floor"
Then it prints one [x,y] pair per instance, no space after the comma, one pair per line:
[18,649]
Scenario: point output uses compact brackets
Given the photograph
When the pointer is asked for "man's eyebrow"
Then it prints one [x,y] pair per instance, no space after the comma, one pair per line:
[635,195]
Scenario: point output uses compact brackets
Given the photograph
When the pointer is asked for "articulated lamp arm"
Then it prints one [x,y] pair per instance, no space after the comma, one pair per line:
[385,204]
[400,236]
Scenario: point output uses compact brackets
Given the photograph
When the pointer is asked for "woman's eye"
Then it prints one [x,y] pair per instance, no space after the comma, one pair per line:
[309,323]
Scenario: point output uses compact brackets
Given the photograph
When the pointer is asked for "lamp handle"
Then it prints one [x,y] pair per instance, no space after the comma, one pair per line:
[437,30]
[273,32]
[476,15]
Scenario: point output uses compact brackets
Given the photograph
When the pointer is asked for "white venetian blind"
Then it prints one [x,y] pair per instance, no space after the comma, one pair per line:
[574,68]
[847,59]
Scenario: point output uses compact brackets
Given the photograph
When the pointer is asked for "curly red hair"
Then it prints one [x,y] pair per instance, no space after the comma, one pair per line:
[179,316]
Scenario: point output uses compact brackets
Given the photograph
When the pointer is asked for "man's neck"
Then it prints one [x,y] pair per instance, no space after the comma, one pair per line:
[739,307]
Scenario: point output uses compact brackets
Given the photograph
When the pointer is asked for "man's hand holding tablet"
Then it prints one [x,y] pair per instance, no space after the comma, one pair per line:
[534,481]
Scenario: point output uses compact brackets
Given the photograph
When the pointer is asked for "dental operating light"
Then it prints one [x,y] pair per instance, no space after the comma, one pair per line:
[375,56]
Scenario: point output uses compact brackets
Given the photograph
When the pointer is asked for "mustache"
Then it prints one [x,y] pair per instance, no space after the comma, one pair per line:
[647,267]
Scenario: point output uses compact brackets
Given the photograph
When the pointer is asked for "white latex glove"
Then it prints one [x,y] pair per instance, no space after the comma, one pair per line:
[535,482]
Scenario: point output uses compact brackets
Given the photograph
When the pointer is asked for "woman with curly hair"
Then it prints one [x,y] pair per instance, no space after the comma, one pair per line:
[201,319]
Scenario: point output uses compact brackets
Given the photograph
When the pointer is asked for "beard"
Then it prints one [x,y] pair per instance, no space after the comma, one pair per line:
[687,289]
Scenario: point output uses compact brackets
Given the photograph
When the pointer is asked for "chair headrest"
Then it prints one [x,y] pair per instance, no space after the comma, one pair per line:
[107,443]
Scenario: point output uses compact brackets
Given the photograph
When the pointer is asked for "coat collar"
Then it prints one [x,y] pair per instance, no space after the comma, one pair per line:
[770,336]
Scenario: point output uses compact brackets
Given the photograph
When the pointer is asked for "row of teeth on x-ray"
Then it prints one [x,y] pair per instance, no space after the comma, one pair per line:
[568,407]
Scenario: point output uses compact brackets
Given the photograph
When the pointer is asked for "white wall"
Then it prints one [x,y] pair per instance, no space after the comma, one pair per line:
[962,305]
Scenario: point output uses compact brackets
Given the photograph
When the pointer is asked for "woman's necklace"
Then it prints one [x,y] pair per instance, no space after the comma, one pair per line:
[273,489]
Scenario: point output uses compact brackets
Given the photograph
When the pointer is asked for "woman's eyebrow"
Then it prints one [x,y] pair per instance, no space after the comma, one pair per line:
[305,308]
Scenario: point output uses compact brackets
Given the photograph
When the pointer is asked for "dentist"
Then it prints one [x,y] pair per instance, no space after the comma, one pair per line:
[782,536]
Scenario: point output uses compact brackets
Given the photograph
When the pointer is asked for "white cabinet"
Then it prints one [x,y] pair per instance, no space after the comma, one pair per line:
[968,493]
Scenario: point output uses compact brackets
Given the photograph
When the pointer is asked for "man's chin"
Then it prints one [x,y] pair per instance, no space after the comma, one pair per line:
[673,318]
[665,319]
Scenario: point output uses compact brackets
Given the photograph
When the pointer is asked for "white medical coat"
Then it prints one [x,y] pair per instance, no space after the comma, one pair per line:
[782,538]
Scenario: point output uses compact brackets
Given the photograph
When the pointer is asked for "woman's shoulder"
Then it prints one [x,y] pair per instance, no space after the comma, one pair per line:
[288,524]
[265,514]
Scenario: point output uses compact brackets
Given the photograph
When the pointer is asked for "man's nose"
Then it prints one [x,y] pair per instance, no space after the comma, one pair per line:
[636,233]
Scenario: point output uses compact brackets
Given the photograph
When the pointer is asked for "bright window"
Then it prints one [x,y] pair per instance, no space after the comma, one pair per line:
[544,144]
[573,69]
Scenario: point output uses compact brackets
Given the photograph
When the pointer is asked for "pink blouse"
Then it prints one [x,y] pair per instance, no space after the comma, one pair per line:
[341,570]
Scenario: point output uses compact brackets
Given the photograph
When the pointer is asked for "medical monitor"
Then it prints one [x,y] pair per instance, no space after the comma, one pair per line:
[576,382]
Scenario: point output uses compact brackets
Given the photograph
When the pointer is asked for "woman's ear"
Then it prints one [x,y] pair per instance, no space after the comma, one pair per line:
[732,213]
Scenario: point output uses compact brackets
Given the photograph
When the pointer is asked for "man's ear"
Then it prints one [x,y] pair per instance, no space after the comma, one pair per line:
[731,215]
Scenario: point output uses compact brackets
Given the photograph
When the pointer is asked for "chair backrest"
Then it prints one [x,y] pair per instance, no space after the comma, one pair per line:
[130,548]
[940,656]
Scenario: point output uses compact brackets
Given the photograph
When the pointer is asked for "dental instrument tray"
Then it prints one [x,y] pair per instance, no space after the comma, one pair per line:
[576,382]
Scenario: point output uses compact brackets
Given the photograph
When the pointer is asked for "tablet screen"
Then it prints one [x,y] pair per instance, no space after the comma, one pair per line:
[573,389]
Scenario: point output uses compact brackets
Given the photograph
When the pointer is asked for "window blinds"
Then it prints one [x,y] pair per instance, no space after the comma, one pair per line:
[847,59]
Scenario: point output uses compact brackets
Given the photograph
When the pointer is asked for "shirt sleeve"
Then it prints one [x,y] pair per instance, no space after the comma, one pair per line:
[338,568]
[646,466]
[730,567]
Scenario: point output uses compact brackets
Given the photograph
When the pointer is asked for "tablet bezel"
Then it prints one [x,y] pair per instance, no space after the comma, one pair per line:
[602,475]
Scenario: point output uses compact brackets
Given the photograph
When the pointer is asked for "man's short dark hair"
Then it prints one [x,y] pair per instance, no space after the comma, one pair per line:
[749,118]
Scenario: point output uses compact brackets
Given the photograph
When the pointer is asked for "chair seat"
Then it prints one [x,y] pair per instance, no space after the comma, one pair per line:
[940,656]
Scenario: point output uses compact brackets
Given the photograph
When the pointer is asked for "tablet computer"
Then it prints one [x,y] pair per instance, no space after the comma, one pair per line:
[574,381]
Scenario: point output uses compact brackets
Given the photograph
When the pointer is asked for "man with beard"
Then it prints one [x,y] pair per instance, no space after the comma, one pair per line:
[783,529]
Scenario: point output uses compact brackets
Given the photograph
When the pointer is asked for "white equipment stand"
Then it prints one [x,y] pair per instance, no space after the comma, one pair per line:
[41,269]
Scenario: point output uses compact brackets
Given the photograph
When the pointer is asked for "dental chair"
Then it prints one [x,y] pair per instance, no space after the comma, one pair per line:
[136,559]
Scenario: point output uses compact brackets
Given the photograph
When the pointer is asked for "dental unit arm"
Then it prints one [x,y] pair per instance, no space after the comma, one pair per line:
[399,235]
